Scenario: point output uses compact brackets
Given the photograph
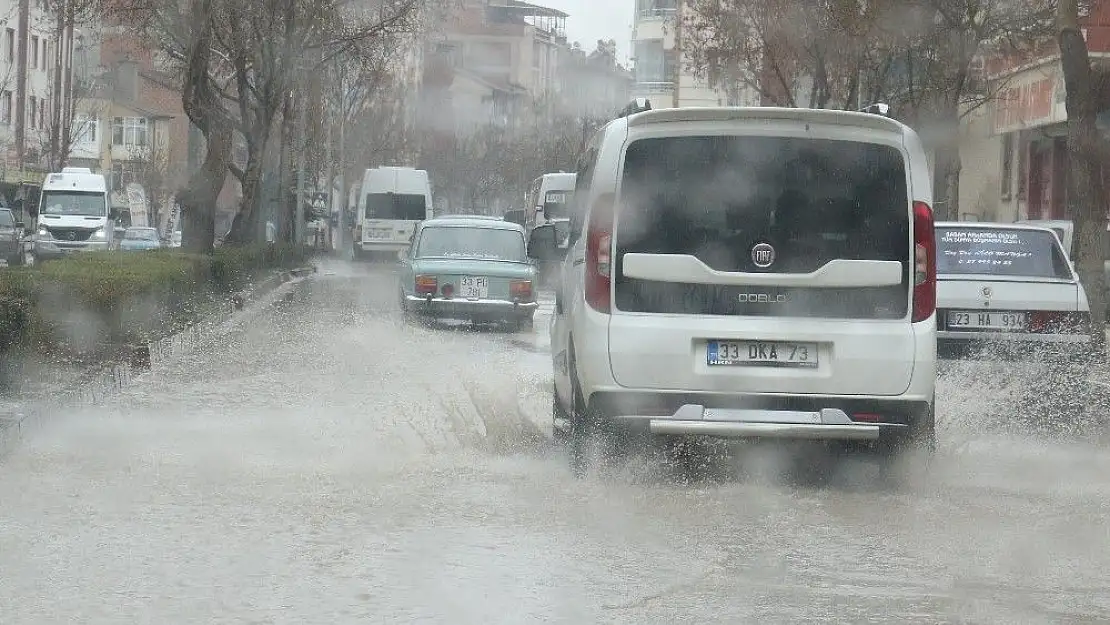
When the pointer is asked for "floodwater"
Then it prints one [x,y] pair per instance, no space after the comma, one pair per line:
[314,460]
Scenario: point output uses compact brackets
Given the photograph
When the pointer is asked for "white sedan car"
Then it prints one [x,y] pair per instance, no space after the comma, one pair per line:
[1007,286]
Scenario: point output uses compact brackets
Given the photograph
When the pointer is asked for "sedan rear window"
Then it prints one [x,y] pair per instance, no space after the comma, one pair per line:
[1000,252]
[479,243]
[6,220]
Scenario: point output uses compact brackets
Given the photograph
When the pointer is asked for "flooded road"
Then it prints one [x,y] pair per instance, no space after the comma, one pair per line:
[316,461]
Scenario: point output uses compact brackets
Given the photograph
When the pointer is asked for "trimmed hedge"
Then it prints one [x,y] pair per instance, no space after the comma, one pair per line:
[91,301]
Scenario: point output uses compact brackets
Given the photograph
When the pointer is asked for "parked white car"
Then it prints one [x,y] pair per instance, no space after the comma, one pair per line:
[1006,286]
[749,273]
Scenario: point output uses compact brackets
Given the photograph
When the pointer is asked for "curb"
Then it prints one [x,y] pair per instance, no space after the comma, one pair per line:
[109,378]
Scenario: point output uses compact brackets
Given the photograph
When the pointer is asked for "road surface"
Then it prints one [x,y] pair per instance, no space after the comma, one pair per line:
[317,462]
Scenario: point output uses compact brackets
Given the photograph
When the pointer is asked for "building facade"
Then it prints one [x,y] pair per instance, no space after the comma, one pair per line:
[662,70]
[1014,148]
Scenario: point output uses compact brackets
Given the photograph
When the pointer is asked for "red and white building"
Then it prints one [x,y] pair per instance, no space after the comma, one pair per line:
[1013,148]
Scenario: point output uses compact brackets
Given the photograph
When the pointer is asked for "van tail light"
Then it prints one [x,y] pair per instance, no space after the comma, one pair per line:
[521,290]
[599,254]
[426,285]
[924,263]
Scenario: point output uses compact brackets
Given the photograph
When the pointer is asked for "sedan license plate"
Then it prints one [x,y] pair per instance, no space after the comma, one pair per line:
[472,287]
[986,320]
[762,354]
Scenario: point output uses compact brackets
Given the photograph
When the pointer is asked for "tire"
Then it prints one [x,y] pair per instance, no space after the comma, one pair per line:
[901,456]
[525,324]
[593,434]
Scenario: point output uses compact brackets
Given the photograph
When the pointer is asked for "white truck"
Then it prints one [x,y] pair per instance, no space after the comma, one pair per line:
[74,215]
[392,201]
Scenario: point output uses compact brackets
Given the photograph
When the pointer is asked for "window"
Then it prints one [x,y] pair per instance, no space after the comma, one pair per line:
[42,113]
[1000,252]
[45,55]
[462,242]
[9,45]
[129,131]
[85,131]
[401,206]
[715,197]
[6,107]
[33,105]
[119,175]
[34,51]
[651,61]
[1007,181]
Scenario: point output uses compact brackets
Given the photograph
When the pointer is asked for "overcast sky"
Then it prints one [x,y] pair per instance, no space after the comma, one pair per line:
[591,20]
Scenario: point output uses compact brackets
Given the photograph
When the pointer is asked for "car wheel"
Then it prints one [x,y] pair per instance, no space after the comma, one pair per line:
[903,456]
[593,438]
[525,324]
[560,421]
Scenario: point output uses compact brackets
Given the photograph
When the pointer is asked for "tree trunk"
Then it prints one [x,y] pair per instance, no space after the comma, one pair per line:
[248,220]
[1086,190]
[206,111]
[198,199]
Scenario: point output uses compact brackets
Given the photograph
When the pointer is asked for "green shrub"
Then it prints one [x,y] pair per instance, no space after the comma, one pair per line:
[121,297]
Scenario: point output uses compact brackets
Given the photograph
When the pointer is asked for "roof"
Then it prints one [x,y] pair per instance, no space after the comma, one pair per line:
[472,221]
[756,113]
[990,225]
[527,9]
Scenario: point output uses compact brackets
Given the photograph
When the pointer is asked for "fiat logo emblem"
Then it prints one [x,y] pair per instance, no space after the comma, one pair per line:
[988,292]
[763,255]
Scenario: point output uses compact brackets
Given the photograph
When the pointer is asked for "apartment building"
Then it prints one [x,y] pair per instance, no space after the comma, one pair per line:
[494,60]
[662,72]
[29,56]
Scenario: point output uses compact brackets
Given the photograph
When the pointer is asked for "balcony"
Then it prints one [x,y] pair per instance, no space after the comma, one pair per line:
[660,93]
[654,14]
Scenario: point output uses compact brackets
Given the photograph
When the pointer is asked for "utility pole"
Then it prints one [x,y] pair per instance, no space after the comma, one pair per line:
[341,235]
[302,153]
[21,82]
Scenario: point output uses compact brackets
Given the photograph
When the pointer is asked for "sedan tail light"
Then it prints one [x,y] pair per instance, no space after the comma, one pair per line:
[924,263]
[521,290]
[1059,322]
[426,285]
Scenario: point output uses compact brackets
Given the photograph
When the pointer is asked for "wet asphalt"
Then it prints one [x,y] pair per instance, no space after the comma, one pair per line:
[316,460]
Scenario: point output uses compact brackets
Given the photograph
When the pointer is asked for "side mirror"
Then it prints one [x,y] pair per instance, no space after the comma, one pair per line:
[542,242]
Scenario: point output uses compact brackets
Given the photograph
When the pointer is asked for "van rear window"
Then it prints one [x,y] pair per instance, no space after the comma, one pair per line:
[716,197]
[408,207]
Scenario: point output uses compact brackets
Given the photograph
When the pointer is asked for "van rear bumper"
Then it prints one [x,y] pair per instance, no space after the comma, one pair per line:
[833,418]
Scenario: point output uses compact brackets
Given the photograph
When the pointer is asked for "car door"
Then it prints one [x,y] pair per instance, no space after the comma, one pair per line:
[570,276]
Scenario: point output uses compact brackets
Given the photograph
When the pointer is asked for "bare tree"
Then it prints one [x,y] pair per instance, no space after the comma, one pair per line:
[1086,161]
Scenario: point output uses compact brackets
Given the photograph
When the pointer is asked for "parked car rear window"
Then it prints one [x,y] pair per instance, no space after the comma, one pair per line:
[1000,252]
[463,242]
[716,197]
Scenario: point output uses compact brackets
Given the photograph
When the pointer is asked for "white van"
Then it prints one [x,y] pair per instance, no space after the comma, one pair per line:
[749,273]
[550,197]
[392,201]
[74,214]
